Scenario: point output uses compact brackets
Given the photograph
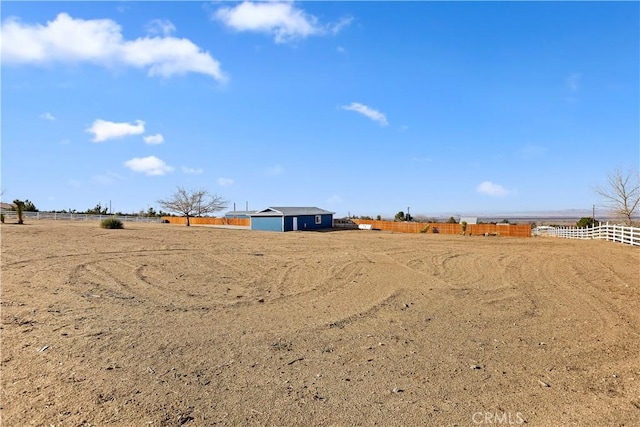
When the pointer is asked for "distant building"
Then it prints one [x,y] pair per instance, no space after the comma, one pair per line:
[291,219]
[469,219]
[239,214]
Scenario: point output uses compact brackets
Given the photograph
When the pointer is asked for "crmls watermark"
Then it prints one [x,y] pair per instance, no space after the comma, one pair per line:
[498,418]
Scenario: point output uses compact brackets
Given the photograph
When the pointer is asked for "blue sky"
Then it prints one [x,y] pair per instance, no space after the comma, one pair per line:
[356,107]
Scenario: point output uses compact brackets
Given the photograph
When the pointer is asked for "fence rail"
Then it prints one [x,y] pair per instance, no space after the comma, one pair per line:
[13,216]
[611,232]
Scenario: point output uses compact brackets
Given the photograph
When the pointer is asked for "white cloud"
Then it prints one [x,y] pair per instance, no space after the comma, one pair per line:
[282,19]
[336,27]
[160,26]
[367,112]
[341,50]
[192,171]
[103,130]
[491,189]
[47,116]
[107,178]
[151,165]
[275,170]
[100,41]
[153,139]
[225,182]
[573,82]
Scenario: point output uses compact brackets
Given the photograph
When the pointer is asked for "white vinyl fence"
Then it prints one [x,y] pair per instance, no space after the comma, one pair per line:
[12,216]
[612,232]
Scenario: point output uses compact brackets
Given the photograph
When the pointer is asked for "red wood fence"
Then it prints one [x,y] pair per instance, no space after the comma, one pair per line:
[511,230]
[208,221]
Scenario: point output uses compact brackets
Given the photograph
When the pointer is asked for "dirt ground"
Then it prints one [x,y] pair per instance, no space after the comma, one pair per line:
[167,325]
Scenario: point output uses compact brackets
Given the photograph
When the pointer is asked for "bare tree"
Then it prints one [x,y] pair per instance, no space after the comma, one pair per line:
[192,203]
[621,193]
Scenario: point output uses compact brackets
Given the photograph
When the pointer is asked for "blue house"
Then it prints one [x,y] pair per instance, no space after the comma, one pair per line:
[291,219]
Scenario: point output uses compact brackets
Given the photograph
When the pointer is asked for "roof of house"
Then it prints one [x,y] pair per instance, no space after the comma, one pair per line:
[240,212]
[291,211]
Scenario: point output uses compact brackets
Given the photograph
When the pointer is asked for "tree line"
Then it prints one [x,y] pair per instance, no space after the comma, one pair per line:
[621,194]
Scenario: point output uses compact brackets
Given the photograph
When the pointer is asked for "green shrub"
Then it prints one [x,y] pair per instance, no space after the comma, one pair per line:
[111,223]
[2,218]
[586,222]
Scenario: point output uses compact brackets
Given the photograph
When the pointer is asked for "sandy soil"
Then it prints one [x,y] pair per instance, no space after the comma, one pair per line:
[166,325]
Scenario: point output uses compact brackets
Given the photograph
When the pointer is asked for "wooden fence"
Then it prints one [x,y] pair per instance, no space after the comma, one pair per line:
[614,233]
[510,230]
[242,222]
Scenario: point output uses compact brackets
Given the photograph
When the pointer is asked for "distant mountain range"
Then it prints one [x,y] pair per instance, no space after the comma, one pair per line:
[562,213]
[559,215]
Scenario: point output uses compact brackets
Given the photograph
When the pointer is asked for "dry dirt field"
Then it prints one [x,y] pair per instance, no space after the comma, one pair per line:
[167,325]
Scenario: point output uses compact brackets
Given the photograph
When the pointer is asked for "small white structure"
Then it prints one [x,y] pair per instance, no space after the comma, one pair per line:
[365,226]
[469,219]
[543,230]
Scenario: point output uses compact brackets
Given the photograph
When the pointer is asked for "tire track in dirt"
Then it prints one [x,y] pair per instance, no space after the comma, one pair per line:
[93,280]
[114,255]
[453,267]
[497,283]
[467,270]
[207,280]
[583,300]
[330,279]
[155,281]
[201,281]
[355,296]
[244,279]
[573,298]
